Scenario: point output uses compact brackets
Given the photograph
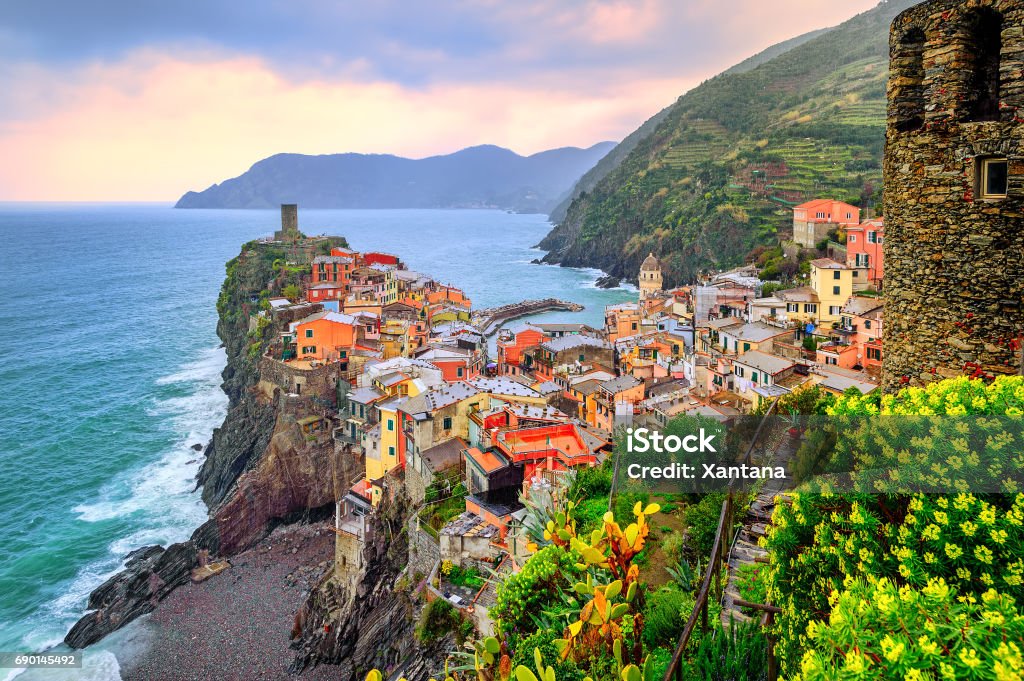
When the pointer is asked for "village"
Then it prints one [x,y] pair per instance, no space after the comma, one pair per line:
[397,372]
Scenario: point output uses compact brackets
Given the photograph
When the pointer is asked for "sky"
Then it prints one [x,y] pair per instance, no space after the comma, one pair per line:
[142,100]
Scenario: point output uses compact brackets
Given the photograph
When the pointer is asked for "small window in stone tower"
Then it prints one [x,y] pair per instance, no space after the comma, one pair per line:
[909,98]
[992,177]
[984,43]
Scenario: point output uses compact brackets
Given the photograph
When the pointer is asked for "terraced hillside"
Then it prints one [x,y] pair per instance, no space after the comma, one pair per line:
[718,173]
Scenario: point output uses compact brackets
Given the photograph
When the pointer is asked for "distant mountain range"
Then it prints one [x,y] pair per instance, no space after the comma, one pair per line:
[484,176]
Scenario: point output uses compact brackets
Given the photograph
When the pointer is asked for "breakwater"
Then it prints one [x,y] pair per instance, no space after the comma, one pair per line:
[490,319]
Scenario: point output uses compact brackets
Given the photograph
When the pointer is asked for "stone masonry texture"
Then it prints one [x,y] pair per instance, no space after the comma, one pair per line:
[954,260]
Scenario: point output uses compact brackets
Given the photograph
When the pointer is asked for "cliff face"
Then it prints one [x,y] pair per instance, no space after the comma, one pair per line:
[717,173]
[358,619]
[261,469]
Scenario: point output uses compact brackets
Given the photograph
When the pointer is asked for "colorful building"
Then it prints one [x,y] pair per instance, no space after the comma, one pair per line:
[511,343]
[812,221]
[864,250]
[326,336]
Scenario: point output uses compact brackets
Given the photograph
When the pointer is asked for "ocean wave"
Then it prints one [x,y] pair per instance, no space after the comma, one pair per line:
[205,369]
[160,498]
[165,487]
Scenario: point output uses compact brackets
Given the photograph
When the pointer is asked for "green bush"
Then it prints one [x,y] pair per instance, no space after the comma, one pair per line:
[821,544]
[438,619]
[665,616]
[735,653]
[590,483]
[543,640]
[752,583]
[542,585]
[702,523]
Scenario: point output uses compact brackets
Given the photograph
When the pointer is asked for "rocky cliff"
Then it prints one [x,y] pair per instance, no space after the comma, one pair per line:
[261,468]
[363,618]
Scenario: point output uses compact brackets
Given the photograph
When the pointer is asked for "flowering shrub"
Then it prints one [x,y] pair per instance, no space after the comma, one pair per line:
[880,631]
[822,546]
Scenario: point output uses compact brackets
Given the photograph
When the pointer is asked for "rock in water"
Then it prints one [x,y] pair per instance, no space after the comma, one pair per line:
[607,281]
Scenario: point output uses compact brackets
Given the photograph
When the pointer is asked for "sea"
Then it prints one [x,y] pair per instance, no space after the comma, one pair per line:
[110,376]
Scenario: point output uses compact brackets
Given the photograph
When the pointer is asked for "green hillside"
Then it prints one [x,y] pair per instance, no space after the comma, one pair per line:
[717,175]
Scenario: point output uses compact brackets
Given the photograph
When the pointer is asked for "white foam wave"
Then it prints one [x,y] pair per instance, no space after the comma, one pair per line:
[161,498]
[165,487]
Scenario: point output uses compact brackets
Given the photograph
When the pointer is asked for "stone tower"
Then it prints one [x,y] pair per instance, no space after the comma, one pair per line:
[954,192]
[289,223]
[650,277]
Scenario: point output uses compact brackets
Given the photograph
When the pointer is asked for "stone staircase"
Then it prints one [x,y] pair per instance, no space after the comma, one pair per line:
[745,550]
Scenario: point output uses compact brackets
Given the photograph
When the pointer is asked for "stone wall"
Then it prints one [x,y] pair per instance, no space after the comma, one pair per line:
[321,382]
[954,261]
[424,552]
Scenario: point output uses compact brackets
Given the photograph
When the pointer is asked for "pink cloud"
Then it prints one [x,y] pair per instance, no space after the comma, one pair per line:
[153,126]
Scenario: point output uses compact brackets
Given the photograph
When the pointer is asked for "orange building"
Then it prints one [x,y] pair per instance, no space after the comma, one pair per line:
[335,269]
[812,221]
[622,321]
[326,336]
[448,294]
[511,343]
[557,447]
[864,249]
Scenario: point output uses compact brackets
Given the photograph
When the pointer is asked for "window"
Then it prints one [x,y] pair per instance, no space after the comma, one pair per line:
[872,237]
[753,376]
[862,260]
[875,354]
[391,451]
[984,28]
[458,372]
[634,326]
[831,360]
[849,216]
[739,372]
[447,423]
[835,290]
[582,357]
[810,308]
[835,309]
[837,274]
[746,347]
[907,68]
[391,424]
[792,307]
[344,354]
[867,323]
[992,177]
[309,333]
[309,349]
[852,238]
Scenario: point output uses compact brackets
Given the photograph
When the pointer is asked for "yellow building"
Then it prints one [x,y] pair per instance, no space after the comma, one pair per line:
[833,282]
[821,303]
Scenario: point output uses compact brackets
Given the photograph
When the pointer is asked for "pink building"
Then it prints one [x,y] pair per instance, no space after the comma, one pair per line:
[812,221]
[864,248]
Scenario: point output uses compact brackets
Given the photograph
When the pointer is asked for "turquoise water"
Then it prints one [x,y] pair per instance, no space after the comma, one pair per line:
[110,372]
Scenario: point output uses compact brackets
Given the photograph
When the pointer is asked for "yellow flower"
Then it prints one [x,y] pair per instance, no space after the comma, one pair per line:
[968,528]
[953,551]
[927,646]
[893,650]
[969,656]
[983,554]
